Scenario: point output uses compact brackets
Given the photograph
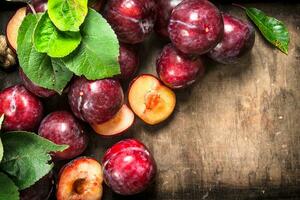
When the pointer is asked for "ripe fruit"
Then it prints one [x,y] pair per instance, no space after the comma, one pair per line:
[164,10]
[150,99]
[96,4]
[39,6]
[35,89]
[95,101]
[22,110]
[196,26]
[41,190]
[178,70]
[13,26]
[239,37]
[80,179]
[121,122]
[129,61]
[61,127]
[132,20]
[128,167]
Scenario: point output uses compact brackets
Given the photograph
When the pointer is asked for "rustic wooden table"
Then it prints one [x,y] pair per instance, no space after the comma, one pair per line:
[234,135]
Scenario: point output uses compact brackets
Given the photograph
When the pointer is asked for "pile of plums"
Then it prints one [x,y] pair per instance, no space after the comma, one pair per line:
[194,27]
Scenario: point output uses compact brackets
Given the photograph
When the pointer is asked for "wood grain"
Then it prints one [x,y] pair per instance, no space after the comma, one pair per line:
[235,134]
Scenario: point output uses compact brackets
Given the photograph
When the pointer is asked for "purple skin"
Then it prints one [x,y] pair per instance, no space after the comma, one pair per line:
[196,26]
[176,69]
[239,38]
[37,90]
[62,128]
[164,10]
[95,101]
[129,61]
[41,190]
[22,110]
[132,20]
[38,5]
[128,167]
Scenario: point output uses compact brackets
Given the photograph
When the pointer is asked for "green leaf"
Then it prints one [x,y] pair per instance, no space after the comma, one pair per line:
[1,121]
[8,190]
[67,15]
[41,69]
[272,29]
[48,39]
[1,150]
[26,157]
[97,55]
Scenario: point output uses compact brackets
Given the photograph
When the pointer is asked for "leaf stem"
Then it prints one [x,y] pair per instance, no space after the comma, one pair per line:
[32,8]
[239,6]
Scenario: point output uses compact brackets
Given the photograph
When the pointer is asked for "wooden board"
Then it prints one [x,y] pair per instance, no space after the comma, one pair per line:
[234,135]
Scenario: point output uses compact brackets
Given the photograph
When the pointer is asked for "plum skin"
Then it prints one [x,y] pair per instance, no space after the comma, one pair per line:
[164,10]
[61,127]
[22,110]
[239,38]
[132,20]
[129,61]
[196,26]
[95,101]
[176,69]
[128,167]
[35,89]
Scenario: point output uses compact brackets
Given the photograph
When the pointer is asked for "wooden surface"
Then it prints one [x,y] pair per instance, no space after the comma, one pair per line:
[234,135]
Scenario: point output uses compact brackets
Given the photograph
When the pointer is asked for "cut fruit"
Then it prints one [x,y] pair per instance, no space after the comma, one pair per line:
[121,122]
[13,27]
[150,99]
[80,179]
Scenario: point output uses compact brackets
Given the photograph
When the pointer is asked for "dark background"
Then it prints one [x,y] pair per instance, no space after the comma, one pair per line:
[234,135]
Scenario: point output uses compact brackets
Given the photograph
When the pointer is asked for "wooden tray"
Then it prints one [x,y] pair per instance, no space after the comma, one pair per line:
[234,135]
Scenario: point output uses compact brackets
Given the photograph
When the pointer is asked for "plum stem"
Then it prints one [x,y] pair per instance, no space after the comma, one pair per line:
[239,6]
[32,8]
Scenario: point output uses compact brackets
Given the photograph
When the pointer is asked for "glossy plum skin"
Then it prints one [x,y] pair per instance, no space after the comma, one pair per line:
[196,26]
[128,167]
[41,190]
[164,10]
[239,38]
[33,88]
[22,110]
[176,69]
[61,127]
[95,101]
[132,20]
[129,61]
[38,5]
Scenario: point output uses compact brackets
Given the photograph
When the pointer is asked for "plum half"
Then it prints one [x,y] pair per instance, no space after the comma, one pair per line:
[80,179]
[150,100]
[239,38]
[196,26]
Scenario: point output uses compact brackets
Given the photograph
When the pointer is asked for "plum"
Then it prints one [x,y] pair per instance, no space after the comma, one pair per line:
[150,99]
[196,26]
[129,61]
[128,167]
[41,190]
[176,69]
[80,179]
[61,127]
[35,89]
[95,101]
[132,20]
[39,5]
[239,38]
[164,10]
[22,110]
